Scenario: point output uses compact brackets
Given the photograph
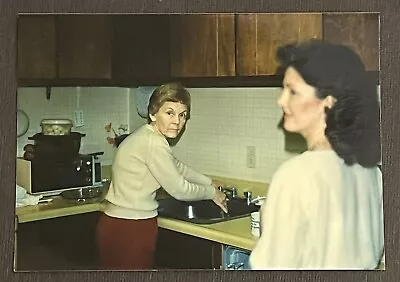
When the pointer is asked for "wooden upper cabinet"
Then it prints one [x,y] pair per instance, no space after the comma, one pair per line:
[359,31]
[84,46]
[202,45]
[36,53]
[140,46]
[259,35]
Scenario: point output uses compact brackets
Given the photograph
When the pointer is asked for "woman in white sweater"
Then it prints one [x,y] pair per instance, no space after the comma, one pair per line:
[324,207]
[144,162]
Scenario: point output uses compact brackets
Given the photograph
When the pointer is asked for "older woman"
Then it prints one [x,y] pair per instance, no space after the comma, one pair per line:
[324,206]
[144,162]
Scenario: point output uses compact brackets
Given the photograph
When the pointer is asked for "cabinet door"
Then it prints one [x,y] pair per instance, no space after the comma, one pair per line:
[180,251]
[36,54]
[64,243]
[202,45]
[357,30]
[140,46]
[259,35]
[84,46]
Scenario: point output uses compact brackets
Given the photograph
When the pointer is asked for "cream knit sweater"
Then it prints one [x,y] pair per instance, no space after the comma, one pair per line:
[144,162]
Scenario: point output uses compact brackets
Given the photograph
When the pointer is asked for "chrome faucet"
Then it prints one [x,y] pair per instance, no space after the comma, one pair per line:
[230,192]
[248,196]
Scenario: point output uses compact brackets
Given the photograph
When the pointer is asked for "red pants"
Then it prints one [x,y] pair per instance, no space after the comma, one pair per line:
[126,244]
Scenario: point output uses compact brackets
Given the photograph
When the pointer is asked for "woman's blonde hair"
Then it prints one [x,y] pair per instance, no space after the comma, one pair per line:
[169,92]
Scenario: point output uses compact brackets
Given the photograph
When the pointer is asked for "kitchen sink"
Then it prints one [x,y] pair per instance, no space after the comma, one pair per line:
[204,211]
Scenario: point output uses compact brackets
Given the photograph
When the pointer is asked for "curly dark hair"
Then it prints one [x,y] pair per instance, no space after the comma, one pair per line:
[353,123]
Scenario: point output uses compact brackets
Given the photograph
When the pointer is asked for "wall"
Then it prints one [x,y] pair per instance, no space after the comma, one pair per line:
[224,122]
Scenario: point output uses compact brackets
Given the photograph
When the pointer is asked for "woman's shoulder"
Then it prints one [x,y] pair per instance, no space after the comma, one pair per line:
[297,161]
[306,163]
[143,136]
[147,133]
[297,174]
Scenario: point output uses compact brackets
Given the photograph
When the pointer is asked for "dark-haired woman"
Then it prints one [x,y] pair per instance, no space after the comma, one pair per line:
[324,206]
[144,162]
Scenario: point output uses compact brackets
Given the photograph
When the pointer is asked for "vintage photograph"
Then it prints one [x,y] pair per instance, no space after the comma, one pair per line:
[198,142]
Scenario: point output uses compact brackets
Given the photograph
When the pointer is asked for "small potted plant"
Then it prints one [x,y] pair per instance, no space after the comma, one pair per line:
[117,138]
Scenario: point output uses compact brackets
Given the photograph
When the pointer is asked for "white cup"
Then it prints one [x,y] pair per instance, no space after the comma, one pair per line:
[255,223]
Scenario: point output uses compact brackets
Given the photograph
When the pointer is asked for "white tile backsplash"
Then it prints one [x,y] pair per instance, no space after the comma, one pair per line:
[223,123]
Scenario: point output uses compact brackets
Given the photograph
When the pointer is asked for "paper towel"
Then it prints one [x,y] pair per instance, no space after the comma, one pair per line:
[24,199]
[143,95]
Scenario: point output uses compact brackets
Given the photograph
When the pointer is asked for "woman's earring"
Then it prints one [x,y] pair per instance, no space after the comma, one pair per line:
[331,101]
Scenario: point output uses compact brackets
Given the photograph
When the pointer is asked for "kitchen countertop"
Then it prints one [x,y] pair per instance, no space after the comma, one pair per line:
[57,208]
[233,232]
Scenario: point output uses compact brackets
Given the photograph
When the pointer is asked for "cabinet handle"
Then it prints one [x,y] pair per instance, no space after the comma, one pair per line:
[235,265]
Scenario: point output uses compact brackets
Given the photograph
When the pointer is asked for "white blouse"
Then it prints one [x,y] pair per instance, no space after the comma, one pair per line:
[321,214]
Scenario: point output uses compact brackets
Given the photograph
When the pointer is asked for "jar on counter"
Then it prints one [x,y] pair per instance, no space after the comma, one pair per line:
[56,126]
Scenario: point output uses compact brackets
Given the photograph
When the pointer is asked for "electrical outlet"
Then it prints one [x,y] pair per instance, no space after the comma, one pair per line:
[251,156]
[78,118]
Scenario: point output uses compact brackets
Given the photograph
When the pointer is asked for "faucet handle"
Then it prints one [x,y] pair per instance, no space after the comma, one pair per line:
[230,192]
[247,194]
[234,192]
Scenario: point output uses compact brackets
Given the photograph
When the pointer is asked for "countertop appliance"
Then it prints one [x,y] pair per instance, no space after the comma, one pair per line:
[51,176]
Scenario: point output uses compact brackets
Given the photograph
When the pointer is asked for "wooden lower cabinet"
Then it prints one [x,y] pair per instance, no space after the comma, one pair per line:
[180,251]
[69,243]
[64,243]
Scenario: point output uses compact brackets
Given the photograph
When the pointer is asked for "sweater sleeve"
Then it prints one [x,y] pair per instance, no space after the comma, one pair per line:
[191,175]
[162,166]
[283,225]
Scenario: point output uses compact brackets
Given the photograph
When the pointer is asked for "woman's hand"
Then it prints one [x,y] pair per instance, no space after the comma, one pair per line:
[220,200]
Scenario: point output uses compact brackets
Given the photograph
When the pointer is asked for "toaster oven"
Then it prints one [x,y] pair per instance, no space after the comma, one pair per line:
[51,176]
